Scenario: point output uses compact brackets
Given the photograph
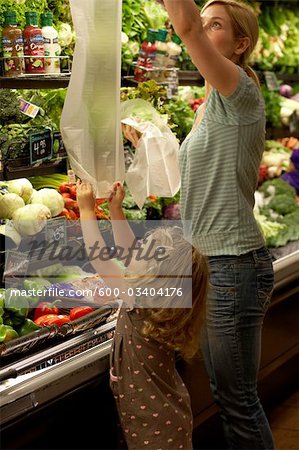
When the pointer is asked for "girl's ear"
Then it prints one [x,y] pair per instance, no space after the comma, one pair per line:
[242,45]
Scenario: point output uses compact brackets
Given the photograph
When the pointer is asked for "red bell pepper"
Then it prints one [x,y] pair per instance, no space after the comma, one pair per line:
[80,311]
[44,308]
[42,321]
[52,319]
[59,320]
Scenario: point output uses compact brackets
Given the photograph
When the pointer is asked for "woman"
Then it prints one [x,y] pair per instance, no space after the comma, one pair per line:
[219,162]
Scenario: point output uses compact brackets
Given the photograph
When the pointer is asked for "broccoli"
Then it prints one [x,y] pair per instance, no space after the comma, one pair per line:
[277,186]
[283,204]
[292,223]
[10,108]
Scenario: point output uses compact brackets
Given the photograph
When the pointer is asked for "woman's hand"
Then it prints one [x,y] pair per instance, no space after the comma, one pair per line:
[131,134]
[116,197]
[85,196]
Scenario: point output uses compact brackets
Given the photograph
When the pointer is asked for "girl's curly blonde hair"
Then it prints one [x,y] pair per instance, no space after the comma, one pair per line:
[176,327]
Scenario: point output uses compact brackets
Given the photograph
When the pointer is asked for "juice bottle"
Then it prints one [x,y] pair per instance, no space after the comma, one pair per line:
[161,54]
[51,45]
[12,45]
[174,51]
[146,57]
[34,45]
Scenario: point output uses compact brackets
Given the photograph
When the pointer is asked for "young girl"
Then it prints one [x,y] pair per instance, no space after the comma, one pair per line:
[152,400]
[219,163]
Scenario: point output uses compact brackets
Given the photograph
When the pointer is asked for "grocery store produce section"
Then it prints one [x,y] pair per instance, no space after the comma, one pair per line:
[56,326]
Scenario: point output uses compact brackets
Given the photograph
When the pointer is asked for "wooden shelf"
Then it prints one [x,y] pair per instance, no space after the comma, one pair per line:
[35,82]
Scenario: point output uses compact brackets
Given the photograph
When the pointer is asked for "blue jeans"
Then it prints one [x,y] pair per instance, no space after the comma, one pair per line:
[241,288]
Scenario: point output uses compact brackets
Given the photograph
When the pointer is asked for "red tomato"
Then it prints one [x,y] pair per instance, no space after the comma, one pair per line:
[73,215]
[64,187]
[66,195]
[80,311]
[70,203]
[73,192]
[45,308]
[65,213]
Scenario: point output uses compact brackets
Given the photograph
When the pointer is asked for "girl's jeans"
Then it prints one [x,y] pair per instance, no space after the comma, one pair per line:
[241,288]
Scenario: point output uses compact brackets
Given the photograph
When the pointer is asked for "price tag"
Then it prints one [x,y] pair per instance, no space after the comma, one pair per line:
[58,145]
[56,230]
[41,146]
[271,81]
[16,266]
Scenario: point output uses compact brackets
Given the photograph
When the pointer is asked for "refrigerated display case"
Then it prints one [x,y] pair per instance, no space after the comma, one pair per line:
[58,386]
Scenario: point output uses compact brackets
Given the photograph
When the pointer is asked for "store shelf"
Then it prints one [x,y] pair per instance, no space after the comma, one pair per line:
[12,172]
[35,82]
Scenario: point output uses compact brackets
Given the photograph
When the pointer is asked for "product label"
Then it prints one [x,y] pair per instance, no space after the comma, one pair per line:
[13,53]
[41,146]
[34,47]
[29,109]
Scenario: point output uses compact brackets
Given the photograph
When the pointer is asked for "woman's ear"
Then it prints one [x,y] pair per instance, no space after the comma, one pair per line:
[242,45]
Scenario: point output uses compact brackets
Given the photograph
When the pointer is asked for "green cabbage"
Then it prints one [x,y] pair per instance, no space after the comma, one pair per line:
[50,198]
[31,219]
[9,203]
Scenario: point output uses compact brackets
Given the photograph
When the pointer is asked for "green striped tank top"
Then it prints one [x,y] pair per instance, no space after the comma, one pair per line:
[219,164]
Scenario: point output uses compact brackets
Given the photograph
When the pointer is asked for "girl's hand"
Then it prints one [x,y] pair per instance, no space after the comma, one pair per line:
[116,197]
[131,134]
[85,196]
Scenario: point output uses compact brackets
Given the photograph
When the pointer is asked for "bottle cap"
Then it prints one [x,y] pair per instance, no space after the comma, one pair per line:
[151,35]
[10,17]
[162,35]
[31,18]
[177,39]
[47,19]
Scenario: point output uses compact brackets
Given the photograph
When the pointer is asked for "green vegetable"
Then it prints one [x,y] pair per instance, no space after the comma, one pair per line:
[2,332]
[277,186]
[10,108]
[17,306]
[10,333]
[28,327]
[283,204]
[36,283]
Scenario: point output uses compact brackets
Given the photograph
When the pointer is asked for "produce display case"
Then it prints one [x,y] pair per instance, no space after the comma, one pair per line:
[39,382]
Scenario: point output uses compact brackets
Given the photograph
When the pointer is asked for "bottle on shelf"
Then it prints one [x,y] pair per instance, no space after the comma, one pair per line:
[34,45]
[146,57]
[12,46]
[174,50]
[161,55]
[71,176]
[51,44]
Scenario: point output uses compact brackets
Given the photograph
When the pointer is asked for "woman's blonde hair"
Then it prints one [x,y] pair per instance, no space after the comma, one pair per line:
[177,328]
[245,24]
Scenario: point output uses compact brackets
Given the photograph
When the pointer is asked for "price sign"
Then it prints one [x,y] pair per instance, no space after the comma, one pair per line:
[16,266]
[56,230]
[58,145]
[41,146]
[271,81]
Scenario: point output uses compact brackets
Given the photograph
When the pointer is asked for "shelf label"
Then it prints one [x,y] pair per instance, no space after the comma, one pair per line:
[41,146]
[58,145]
[271,81]
[56,230]
[16,267]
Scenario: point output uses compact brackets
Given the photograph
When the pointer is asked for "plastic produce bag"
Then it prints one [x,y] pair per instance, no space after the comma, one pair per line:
[90,122]
[155,167]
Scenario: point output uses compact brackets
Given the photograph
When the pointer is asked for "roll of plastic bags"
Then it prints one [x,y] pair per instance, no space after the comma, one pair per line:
[90,122]
[155,166]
